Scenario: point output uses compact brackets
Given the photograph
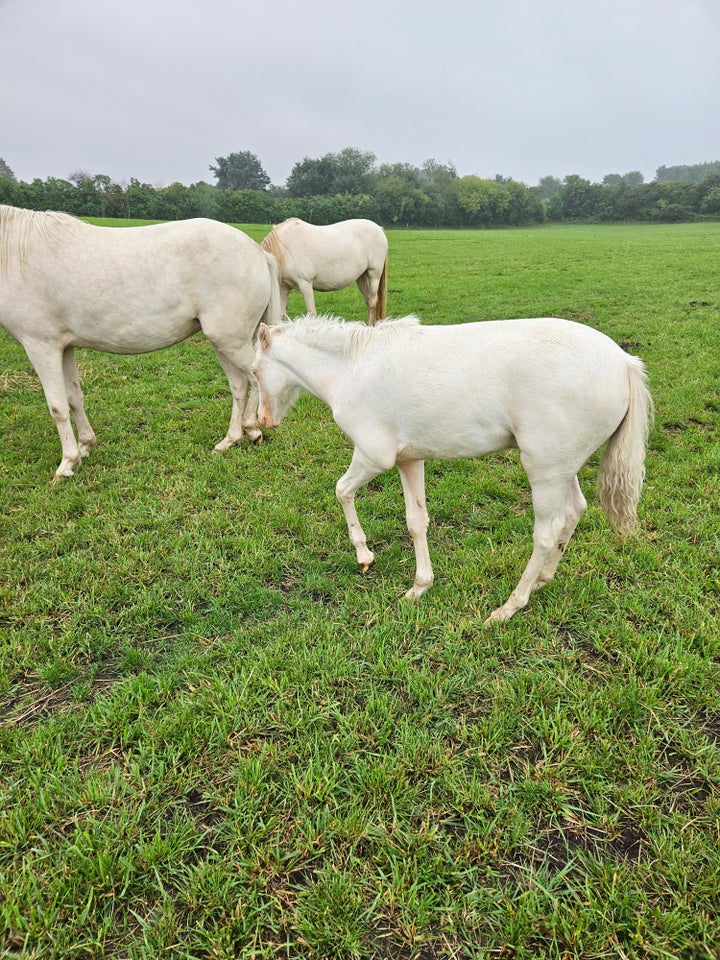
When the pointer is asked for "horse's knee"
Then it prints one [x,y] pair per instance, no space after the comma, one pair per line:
[60,414]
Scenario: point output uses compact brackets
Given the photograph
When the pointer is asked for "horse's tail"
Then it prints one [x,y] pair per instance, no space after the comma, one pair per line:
[273,311]
[622,468]
[381,309]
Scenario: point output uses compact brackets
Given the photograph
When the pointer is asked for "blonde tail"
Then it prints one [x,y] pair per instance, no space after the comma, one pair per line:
[381,309]
[273,311]
[622,468]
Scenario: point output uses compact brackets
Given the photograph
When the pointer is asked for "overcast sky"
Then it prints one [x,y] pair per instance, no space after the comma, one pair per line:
[157,89]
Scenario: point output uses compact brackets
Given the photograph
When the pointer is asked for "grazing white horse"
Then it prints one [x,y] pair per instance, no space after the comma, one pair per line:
[66,284]
[329,258]
[402,392]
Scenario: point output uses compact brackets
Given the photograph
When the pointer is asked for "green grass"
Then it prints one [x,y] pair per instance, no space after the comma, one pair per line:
[220,740]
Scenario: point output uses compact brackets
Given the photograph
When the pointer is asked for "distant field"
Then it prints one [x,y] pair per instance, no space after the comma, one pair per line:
[220,740]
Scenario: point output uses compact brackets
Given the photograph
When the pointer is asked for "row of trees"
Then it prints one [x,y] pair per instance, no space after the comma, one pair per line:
[350,184]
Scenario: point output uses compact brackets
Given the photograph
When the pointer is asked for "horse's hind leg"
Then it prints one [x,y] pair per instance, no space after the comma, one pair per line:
[48,363]
[550,496]
[368,287]
[86,435]
[243,417]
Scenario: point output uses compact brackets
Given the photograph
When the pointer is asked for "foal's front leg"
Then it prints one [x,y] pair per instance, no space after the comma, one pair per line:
[412,477]
[360,471]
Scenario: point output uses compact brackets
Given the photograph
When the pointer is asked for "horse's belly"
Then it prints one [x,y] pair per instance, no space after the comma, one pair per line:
[142,335]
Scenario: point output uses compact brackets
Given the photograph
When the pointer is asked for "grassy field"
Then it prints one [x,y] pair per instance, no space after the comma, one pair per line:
[220,740]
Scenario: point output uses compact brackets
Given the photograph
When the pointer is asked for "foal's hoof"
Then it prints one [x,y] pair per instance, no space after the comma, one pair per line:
[501,615]
[417,590]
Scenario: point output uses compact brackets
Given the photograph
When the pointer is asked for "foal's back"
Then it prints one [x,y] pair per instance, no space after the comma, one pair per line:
[467,389]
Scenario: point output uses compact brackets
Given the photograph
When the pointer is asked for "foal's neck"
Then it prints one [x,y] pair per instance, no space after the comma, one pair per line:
[320,367]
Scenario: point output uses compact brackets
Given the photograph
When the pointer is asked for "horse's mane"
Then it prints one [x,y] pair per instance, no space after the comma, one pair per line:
[18,227]
[349,336]
[273,245]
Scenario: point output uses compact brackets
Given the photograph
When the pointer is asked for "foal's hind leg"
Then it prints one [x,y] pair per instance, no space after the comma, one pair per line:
[86,435]
[550,495]
[48,363]
[575,507]
[412,476]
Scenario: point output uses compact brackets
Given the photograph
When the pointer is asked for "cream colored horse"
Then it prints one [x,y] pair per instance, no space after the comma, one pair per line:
[66,284]
[329,258]
[555,389]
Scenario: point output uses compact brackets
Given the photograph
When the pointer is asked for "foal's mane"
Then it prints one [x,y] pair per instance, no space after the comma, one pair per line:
[348,336]
[19,227]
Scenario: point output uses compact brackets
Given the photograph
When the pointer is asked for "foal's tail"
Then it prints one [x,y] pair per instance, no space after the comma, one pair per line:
[273,311]
[622,468]
[381,309]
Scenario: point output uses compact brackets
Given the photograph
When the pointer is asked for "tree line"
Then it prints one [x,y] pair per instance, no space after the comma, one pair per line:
[351,184]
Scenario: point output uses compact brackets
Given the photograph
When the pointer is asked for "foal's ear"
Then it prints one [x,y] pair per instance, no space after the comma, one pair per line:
[264,335]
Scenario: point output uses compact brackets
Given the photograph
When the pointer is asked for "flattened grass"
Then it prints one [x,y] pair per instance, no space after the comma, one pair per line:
[220,740]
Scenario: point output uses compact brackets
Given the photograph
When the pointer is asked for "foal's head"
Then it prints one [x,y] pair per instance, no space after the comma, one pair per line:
[279,389]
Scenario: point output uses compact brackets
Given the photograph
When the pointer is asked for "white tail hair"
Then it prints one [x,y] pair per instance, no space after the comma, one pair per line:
[273,311]
[622,469]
